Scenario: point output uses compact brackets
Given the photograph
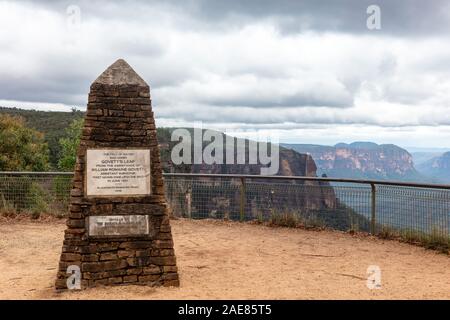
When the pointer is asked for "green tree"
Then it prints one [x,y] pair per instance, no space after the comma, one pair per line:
[21,148]
[69,145]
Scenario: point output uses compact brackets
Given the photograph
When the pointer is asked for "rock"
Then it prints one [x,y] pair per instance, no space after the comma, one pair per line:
[103,266]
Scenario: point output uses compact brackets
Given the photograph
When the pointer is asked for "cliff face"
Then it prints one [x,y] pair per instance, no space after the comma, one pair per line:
[291,163]
[437,167]
[218,198]
[362,160]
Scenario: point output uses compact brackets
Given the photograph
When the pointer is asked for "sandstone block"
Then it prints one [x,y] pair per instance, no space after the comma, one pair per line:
[70,257]
[151,270]
[103,266]
[149,278]
[115,280]
[163,261]
[132,278]
[108,256]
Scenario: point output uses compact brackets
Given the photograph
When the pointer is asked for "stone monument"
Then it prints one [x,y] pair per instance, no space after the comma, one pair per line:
[118,229]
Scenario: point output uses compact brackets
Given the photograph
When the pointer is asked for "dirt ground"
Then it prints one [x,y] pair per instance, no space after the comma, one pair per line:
[230,260]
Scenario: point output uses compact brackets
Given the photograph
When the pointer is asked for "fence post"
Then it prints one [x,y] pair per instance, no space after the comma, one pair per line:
[188,202]
[373,209]
[242,202]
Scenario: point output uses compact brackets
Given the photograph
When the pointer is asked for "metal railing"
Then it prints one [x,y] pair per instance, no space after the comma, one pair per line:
[415,211]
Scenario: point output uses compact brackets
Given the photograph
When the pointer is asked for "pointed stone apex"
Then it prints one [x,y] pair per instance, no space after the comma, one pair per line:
[120,73]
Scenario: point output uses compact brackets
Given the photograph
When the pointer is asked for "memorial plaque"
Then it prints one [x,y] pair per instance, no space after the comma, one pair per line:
[117,172]
[130,225]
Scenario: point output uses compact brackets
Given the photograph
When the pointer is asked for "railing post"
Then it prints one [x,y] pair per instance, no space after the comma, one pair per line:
[188,200]
[373,209]
[242,202]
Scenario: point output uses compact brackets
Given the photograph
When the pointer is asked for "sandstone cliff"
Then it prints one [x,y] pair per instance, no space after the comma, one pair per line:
[263,198]
[362,160]
[437,168]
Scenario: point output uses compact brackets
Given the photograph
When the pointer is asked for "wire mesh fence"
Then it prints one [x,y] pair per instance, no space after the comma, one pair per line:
[35,192]
[413,211]
[283,202]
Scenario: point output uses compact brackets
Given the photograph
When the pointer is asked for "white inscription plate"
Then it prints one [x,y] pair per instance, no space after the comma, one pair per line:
[111,172]
[129,225]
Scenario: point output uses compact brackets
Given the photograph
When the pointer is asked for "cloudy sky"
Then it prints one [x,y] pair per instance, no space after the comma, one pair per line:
[307,71]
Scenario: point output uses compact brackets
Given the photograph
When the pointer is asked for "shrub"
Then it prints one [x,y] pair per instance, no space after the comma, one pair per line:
[69,145]
[38,200]
[21,148]
[7,209]
[286,219]
[387,232]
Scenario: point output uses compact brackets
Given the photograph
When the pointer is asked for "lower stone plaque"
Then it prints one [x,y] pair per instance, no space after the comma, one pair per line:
[119,225]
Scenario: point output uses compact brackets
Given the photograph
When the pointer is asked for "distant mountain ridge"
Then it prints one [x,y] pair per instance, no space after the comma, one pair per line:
[366,160]
[53,124]
[437,167]
[362,160]
[357,145]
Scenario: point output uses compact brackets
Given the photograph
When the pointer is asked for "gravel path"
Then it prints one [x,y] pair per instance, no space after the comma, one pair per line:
[230,260]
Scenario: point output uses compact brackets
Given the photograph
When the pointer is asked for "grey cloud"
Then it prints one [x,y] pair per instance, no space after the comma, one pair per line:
[124,29]
[132,46]
[404,18]
[40,91]
[254,115]
[411,17]
[296,99]
[388,65]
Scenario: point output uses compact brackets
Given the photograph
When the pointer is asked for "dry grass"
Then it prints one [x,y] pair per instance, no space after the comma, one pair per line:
[293,219]
[435,240]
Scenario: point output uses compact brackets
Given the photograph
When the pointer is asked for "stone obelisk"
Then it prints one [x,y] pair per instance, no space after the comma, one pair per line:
[118,229]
